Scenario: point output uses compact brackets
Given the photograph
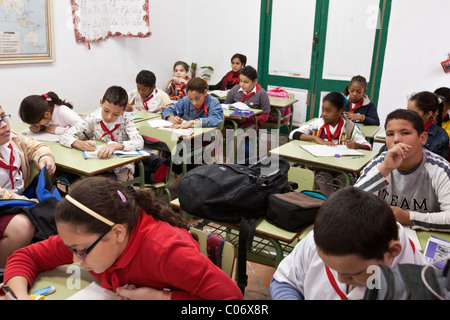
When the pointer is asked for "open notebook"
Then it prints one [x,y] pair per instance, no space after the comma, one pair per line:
[93,292]
[117,153]
[319,150]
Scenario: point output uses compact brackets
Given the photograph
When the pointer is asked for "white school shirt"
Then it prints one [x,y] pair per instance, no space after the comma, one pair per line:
[316,124]
[304,270]
[64,118]
[5,181]
[156,104]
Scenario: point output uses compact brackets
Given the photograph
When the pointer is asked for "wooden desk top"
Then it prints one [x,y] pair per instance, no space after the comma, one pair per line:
[198,131]
[293,152]
[279,102]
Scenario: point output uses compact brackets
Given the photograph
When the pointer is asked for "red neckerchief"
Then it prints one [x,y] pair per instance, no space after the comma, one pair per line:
[105,129]
[11,166]
[357,105]
[335,286]
[428,124]
[232,77]
[149,98]
[143,226]
[203,106]
[245,96]
[326,126]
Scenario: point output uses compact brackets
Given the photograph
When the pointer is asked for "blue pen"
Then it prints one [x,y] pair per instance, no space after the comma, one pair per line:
[357,157]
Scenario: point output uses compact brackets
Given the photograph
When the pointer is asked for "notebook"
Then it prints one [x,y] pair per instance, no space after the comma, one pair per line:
[117,153]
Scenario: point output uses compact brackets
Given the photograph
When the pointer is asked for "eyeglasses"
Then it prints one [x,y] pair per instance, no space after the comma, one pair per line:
[83,254]
[5,118]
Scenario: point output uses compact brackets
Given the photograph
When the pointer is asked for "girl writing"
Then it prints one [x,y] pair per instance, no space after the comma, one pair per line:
[17,154]
[48,113]
[175,87]
[127,240]
[359,107]
[231,79]
[427,104]
[198,108]
[110,124]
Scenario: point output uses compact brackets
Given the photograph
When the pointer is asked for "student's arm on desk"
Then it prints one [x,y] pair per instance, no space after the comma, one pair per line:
[26,263]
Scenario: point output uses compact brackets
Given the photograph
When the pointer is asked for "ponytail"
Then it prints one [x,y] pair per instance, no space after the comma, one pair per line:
[56,100]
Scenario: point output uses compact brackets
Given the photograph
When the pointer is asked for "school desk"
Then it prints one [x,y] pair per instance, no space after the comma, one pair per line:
[425,235]
[67,280]
[380,137]
[71,160]
[293,152]
[276,104]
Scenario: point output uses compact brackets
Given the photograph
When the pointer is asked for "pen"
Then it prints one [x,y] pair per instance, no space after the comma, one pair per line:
[8,291]
[85,134]
[357,157]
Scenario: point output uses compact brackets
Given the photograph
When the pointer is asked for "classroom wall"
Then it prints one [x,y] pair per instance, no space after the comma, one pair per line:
[418,41]
[181,30]
[209,32]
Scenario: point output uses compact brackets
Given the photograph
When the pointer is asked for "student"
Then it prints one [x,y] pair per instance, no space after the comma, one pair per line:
[354,232]
[129,241]
[443,93]
[110,124]
[48,113]
[413,180]
[332,128]
[427,104]
[175,87]
[252,94]
[17,153]
[360,108]
[147,97]
[231,79]
[198,108]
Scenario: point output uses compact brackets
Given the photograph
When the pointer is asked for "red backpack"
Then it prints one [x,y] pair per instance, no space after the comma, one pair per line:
[279,92]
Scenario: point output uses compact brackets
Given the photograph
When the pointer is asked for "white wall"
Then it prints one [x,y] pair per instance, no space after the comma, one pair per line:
[199,31]
[418,41]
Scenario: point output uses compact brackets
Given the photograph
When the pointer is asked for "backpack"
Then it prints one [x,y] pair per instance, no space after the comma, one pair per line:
[294,211]
[279,92]
[234,193]
[156,167]
[41,214]
[214,249]
[230,192]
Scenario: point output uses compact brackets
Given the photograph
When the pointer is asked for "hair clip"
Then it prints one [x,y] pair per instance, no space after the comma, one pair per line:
[121,196]
[46,97]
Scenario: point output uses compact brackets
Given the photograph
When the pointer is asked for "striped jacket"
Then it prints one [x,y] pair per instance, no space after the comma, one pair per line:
[423,191]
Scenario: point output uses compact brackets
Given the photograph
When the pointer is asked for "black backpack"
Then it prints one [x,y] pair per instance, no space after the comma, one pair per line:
[155,166]
[234,193]
[230,192]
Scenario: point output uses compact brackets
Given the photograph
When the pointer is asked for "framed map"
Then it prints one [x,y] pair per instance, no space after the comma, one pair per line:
[26,31]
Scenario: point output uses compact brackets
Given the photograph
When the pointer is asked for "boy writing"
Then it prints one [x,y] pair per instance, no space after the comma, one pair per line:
[412,180]
[337,259]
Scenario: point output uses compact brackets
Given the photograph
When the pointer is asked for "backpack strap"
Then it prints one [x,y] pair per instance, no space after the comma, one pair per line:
[247,229]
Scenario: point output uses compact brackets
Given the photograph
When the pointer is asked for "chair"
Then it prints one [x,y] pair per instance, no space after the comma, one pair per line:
[171,140]
[228,253]
[303,177]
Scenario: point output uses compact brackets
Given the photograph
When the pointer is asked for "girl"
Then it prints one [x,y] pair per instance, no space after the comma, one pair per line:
[175,87]
[333,128]
[443,93]
[48,113]
[140,249]
[198,108]
[252,94]
[427,104]
[110,124]
[16,154]
[147,97]
[359,107]
[231,79]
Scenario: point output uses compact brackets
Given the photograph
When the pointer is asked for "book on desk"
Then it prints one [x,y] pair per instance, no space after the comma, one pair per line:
[117,153]
[236,105]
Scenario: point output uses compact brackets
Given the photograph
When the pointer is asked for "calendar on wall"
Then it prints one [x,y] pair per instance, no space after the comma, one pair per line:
[97,20]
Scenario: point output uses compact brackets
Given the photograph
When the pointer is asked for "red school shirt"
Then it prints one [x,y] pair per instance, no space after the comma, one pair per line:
[158,255]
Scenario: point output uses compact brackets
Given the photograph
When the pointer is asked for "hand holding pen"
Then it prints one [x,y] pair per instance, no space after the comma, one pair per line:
[89,145]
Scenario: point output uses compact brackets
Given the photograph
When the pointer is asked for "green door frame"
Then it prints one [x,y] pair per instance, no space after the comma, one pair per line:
[315,84]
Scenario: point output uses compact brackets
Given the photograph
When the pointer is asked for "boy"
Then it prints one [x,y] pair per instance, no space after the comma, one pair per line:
[110,124]
[337,260]
[147,97]
[412,180]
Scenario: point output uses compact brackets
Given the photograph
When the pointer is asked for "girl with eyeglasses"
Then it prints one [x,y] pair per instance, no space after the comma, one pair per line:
[130,242]
[17,156]
[48,113]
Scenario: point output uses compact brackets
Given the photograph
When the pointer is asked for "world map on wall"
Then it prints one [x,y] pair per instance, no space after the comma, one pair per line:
[23,27]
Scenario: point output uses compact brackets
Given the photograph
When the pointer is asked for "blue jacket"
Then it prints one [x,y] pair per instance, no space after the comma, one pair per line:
[369,110]
[184,109]
[438,140]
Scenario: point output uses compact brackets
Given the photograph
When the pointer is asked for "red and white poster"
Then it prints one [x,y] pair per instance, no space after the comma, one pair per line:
[97,20]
